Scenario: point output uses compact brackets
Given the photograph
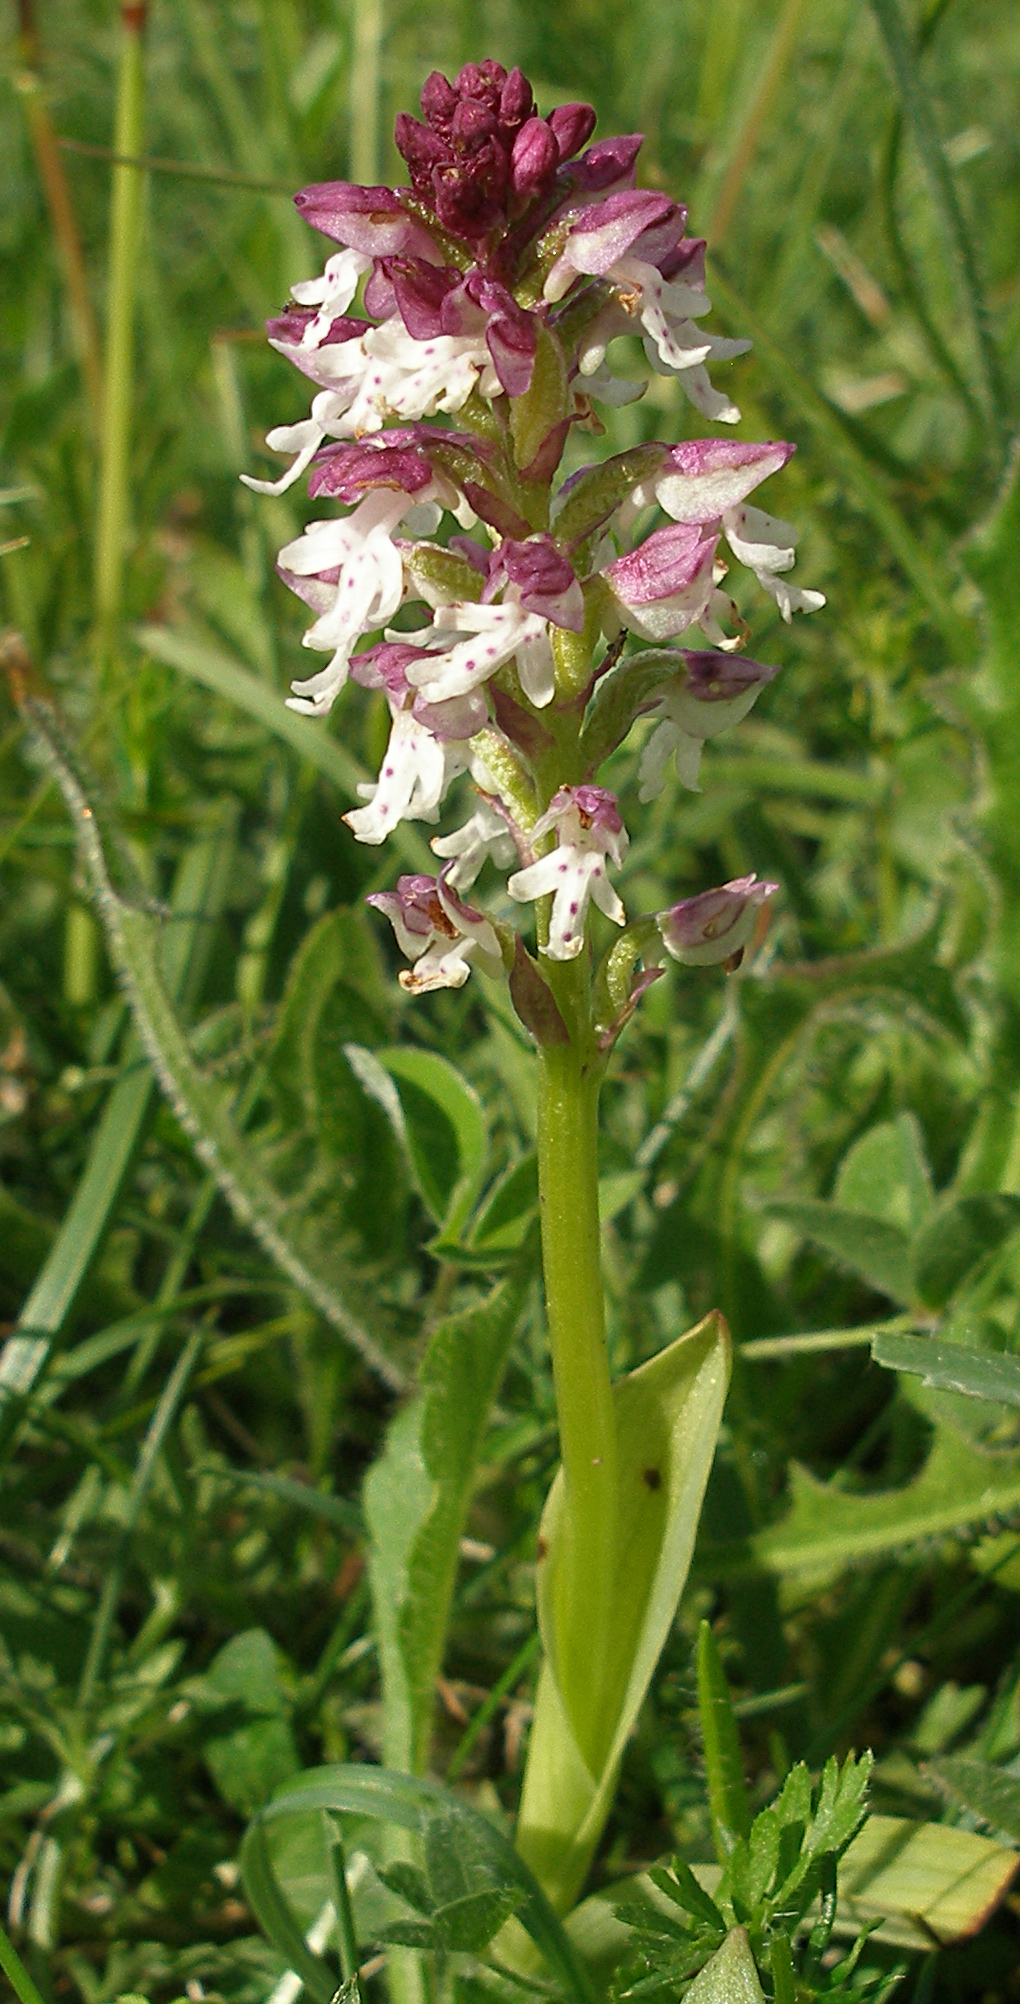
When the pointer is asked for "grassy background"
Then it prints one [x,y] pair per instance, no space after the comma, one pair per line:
[178,1632]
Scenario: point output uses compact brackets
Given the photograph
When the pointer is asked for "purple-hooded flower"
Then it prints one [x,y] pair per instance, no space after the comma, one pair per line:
[702,478]
[716,925]
[665,585]
[707,693]
[370,220]
[438,932]
[382,373]
[590,832]
[485,834]
[635,241]
[707,481]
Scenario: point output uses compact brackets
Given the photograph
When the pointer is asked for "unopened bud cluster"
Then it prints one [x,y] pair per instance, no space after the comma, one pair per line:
[488,292]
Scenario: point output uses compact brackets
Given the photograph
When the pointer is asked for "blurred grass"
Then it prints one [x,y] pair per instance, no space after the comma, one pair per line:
[131,1552]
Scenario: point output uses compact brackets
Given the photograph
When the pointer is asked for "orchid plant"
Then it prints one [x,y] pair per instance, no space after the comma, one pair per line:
[539,621]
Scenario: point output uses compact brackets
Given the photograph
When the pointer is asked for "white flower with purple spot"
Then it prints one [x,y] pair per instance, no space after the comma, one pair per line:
[495,634]
[590,834]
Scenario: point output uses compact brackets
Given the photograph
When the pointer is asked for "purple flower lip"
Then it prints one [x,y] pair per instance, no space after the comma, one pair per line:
[346,471]
[543,579]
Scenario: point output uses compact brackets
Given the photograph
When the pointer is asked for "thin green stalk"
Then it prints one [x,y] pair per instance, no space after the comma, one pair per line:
[364,143]
[45,145]
[118,374]
[918,113]
[568,1096]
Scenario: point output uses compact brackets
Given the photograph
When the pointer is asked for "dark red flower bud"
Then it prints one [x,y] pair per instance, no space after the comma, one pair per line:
[439,101]
[535,158]
[572,125]
[516,101]
[473,125]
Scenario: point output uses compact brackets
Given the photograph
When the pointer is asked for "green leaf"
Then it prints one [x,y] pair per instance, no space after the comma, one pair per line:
[337,990]
[877,1252]
[446,1132]
[680,1885]
[410,1804]
[416,1499]
[991,1794]
[826,1529]
[667,1416]
[958,1239]
[251,1761]
[952,1367]
[727,1795]
[886,1174]
[730,1977]
[502,1223]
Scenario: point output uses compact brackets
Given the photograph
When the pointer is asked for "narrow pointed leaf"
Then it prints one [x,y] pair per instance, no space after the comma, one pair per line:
[727,1794]
[416,1499]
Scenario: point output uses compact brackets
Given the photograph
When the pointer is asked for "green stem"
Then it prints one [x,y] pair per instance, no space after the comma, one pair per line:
[569,1078]
[122,286]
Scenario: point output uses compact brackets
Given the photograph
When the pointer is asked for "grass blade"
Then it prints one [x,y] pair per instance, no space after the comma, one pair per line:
[918,113]
[16,1973]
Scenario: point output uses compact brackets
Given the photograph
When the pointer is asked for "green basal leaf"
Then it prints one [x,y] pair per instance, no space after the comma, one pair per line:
[826,1529]
[416,1498]
[991,1794]
[878,1252]
[951,1367]
[667,1414]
